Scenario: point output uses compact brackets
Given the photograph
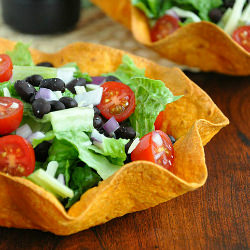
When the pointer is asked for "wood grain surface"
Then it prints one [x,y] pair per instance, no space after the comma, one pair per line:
[212,217]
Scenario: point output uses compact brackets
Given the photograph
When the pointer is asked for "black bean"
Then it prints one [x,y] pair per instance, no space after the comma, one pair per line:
[75,82]
[97,111]
[45,64]
[34,80]
[101,130]
[228,3]
[54,84]
[42,151]
[25,90]
[68,102]
[40,107]
[172,139]
[128,159]
[125,132]
[112,79]
[97,122]
[56,105]
[215,15]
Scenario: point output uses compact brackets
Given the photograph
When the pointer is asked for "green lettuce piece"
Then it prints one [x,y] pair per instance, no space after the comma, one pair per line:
[20,55]
[10,86]
[82,179]
[48,137]
[127,70]
[66,155]
[81,142]
[21,72]
[202,6]
[151,96]
[113,148]
[68,93]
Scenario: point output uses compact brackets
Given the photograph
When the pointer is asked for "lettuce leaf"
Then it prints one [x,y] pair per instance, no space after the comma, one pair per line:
[113,148]
[126,70]
[81,143]
[151,97]
[156,8]
[20,55]
[202,6]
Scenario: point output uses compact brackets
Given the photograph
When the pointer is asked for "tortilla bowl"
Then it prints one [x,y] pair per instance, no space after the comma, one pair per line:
[194,120]
[203,45]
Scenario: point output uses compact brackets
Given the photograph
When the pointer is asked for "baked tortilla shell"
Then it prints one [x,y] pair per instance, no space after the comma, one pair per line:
[194,120]
[203,45]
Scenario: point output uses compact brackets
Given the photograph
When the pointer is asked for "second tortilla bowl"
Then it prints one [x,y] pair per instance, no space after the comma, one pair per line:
[193,120]
[202,45]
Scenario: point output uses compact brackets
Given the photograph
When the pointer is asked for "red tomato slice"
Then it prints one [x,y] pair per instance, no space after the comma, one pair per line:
[242,37]
[159,120]
[17,156]
[155,147]
[118,100]
[11,114]
[5,68]
[164,27]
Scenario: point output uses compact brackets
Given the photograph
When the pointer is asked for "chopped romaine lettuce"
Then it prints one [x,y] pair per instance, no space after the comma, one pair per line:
[82,179]
[21,72]
[20,55]
[127,70]
[156,8]
[234,18]
[113,148]
[151,98]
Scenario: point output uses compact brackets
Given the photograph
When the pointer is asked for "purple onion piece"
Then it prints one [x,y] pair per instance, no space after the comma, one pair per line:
[98,80]
[111,125]
[46,94]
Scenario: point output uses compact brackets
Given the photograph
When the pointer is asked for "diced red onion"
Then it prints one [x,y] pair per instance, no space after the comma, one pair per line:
[111,125]
[61,179]
[24,131]
[98,80]
[92,97]
[157,139]
[46,94]
[36,135]
[172,13]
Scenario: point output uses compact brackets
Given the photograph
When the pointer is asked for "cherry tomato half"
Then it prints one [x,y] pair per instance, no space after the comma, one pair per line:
[118,100]
[11,114]
[164,27]
[5,68]
[155,147]
[242,37]
[159,120]
[17,156]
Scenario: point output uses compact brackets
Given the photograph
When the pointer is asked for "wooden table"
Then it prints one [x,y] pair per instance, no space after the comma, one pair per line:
[212,217]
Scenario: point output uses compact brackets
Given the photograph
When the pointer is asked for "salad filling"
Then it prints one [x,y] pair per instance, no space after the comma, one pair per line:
[66,131]
[166,16]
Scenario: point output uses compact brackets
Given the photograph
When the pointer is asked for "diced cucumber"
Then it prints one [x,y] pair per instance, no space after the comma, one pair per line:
[21,72]
[45,180]
[74,119]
